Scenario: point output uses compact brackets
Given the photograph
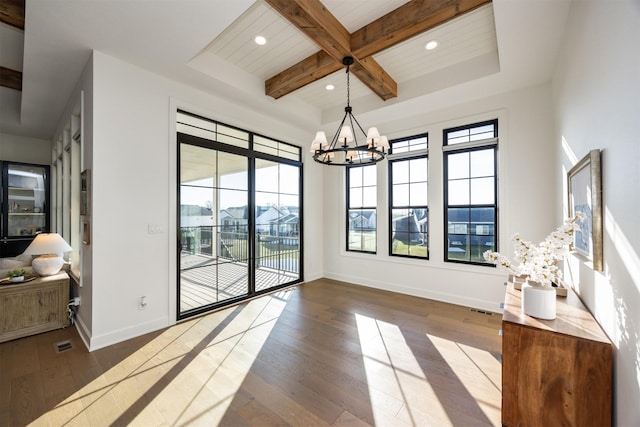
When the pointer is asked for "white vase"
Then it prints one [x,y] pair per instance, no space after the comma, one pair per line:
[539,301]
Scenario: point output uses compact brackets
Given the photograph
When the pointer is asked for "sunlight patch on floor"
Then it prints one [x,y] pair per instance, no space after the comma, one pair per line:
[395,373]
[179,377]
[478,370]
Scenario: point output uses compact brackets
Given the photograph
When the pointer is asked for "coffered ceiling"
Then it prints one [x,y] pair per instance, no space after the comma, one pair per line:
[209,45]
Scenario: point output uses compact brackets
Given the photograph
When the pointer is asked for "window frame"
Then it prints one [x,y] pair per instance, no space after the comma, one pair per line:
[348,208]
[406,156]
[469,147]
[206,137]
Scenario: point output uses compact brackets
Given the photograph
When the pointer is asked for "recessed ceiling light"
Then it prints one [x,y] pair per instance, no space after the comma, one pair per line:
[431,45]
[329,87]
[260,40]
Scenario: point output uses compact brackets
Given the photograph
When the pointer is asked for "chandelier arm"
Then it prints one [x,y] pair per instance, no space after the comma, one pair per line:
[334,140]
[359,127]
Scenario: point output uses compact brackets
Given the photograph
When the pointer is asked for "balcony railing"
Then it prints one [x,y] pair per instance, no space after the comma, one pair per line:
[275,252]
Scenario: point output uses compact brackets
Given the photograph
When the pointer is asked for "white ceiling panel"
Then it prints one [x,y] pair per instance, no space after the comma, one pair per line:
[355,14]
[459,40]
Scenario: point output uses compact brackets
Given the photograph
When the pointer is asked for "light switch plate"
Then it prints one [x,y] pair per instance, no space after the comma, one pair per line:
[155,229]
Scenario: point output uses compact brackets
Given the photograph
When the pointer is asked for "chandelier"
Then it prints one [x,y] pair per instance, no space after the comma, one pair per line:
[344,149]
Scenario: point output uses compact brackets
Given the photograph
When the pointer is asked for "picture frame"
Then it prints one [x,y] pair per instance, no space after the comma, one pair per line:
[584,182]
[86,233]
[85,192]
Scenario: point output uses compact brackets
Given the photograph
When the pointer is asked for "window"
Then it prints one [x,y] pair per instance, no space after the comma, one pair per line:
[470,191]
[408,207]
[361,208]
[65,189]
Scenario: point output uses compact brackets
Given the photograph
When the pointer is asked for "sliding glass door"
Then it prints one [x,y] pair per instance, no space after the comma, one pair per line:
[239,215]
[277,224]
[214,249]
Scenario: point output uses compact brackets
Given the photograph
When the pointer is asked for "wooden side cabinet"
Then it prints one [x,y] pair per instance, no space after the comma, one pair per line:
[33,307]
[555,372]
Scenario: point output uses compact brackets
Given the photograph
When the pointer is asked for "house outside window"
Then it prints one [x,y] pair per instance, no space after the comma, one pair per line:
[408,207]
[470,191]
[361,208]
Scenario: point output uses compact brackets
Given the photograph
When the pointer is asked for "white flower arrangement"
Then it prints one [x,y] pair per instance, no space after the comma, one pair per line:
[539,263]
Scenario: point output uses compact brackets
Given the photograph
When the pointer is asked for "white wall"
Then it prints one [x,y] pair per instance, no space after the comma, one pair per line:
[526,202]
[135,184]
[597,102]
[24,149]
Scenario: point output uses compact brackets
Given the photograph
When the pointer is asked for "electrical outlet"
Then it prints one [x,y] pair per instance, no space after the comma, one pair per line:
[142,303]
[76,301]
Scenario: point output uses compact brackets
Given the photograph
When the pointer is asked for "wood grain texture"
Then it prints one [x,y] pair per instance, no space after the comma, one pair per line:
[323,353]
[11,79]
[307,71]
[315,21]
[407,21]
[12,13]
[556,372]
[34,307]
[403,23]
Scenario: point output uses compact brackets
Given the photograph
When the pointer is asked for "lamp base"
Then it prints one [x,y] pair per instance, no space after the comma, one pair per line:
[47,265]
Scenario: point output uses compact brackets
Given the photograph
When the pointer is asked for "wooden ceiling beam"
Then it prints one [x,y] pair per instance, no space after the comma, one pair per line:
[408,21]
[314,20]
[12,13]
[375,77]
[307,71]
[10,78]
[403,23]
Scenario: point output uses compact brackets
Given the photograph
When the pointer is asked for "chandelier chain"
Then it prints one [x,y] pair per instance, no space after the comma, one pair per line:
[348,88]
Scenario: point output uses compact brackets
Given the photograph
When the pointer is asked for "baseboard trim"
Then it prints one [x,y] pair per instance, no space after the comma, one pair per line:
[484,305]
[114,337]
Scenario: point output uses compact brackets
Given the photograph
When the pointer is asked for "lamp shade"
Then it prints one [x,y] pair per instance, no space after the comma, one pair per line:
[319,141]
[384,143]
[346,136]
[48,246]
[47,243]
[373,136]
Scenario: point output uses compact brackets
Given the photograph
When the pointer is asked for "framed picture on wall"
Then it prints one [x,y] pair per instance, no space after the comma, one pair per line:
[85,192]
[86,233]
[585,196]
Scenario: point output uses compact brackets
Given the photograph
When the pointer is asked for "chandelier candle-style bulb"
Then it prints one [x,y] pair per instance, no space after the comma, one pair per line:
[384,144]
[373,137]
[351,156]
[319,142]
[346,136]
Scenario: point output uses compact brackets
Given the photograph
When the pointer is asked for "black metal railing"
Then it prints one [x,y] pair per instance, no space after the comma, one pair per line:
[277,252]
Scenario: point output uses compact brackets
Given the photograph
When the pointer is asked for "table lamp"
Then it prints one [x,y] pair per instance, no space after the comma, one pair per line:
[49,246]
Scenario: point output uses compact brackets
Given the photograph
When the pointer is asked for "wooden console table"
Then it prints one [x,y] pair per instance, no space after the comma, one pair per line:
[33,307]
[555,372]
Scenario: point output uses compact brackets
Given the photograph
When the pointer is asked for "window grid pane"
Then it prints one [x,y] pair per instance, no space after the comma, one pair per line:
[361,209]
[470,189]
[408,210]
[407,145]
[471,133]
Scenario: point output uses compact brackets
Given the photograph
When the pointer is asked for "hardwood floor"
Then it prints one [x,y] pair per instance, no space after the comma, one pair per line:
[319,354]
